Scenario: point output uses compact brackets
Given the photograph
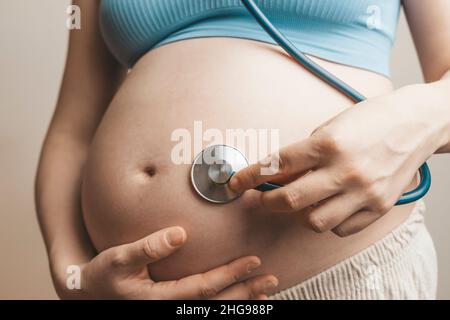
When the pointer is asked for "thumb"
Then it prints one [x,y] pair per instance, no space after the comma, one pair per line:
[154,247]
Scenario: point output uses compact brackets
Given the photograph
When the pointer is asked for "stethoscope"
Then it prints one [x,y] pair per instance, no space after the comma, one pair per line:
[215,165]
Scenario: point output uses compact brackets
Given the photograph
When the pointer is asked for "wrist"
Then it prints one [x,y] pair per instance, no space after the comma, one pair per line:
[65,282]
[427,106]
[442,89]
[441,93]
[64,271]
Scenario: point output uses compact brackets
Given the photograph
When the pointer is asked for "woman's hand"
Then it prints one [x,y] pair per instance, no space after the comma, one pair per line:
[354,167]
[121,273]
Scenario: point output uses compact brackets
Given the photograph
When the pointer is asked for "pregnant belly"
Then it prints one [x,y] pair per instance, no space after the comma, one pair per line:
[133,186]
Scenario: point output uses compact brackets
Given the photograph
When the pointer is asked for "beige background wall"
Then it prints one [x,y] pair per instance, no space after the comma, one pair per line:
[33,43]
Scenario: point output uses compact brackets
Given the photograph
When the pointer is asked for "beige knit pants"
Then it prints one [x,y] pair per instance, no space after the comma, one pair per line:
[402,265]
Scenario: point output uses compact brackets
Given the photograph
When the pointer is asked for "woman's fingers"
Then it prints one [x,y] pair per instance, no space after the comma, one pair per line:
[293,159]
[333,212]
[209,284]
[149,249]
[301,193]
[256,288]
[357,222]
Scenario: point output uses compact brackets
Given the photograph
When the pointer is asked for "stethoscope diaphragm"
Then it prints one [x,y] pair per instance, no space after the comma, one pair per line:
[212,169]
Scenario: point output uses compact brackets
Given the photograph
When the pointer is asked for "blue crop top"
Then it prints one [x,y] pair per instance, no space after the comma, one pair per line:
[358,33]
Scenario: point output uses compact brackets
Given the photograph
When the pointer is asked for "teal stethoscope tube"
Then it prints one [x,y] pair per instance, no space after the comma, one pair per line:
[338,84]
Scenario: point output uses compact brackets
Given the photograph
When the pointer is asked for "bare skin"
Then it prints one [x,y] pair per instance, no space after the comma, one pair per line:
[132,188]
[161,94]
[91,78]
[412,124]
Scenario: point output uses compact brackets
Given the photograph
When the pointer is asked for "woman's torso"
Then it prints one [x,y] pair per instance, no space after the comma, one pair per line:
[132,187]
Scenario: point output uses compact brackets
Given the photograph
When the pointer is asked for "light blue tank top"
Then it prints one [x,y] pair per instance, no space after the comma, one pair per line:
[358,33]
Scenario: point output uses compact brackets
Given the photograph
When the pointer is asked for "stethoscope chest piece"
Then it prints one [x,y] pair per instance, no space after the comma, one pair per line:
[213,168]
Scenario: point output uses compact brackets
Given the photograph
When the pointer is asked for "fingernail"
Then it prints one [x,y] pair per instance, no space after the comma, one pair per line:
[252,266]
[234,184]
[175,237]
[270,285]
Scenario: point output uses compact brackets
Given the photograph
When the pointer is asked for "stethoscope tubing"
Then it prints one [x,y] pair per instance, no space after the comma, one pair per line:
[425,175]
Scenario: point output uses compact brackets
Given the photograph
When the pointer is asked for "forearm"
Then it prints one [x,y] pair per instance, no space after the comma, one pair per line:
[444,87]
[58,202]
[428,107]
